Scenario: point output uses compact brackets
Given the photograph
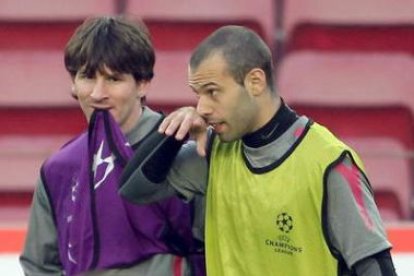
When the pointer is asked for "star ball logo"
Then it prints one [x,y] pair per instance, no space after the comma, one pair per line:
[284,223]
[283,243]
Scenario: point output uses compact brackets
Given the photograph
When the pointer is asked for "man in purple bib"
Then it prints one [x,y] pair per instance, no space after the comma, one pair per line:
[79,224]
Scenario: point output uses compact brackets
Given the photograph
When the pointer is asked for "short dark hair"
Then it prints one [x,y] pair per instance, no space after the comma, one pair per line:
[120,43]
[242,49]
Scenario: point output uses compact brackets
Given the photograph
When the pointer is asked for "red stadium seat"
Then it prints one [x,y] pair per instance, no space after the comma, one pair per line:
[353,94]
[361,38]
[34,78]
[389,206]
[348,12]
[178,27]
[33,72]
[32,38]
[350,25]
[21,158]
[183,23]
[41,121]
[47,10]
[27,137]
[389,169]
[14,215]
[36,108]
[169,88]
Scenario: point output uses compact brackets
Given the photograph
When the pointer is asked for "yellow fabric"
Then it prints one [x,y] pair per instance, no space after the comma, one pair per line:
[245,211]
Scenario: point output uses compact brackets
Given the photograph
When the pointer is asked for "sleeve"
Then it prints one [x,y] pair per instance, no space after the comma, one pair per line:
[379,264]
[354,225]
[163,167]
[189,173]
[40,254]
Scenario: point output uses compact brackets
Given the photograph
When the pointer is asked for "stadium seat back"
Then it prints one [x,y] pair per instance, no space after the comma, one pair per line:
[52,10]
[33,72]
[351,93]
[184,23]
[369,25]
[390,170]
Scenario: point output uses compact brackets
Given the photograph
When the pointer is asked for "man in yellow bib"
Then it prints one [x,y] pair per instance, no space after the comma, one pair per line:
[283,195]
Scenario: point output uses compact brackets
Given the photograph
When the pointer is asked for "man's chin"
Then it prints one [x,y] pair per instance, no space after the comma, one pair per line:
[226,137]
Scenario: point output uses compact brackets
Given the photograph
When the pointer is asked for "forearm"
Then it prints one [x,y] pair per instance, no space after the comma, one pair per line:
[153,159]
[162,167]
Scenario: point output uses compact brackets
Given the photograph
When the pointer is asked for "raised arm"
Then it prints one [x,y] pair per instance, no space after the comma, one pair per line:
[163,165]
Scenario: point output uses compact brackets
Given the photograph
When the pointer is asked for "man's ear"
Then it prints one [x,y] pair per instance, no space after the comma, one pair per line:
[255,81]
[142,88]
[73,91]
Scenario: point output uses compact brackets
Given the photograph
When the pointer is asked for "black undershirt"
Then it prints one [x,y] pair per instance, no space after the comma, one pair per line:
[280,122]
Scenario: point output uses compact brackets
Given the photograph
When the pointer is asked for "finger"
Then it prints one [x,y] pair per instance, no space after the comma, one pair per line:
[164,124]
[174,124]
[185,126]
[171,123]
[199,134]
[202,143]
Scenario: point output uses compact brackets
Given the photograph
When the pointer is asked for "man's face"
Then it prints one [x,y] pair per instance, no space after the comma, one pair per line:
[116,92]
[224,104]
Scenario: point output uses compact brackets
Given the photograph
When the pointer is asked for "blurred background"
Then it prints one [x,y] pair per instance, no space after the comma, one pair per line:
[346,64]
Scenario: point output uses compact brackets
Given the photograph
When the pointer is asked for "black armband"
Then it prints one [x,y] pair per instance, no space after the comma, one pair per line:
[159,162]
[154,156]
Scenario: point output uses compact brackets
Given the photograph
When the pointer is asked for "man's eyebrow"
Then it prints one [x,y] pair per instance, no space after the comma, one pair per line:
[115,75]
[202,86]
[111,73]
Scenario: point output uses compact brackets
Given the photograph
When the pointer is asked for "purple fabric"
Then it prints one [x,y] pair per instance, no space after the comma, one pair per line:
[97,229]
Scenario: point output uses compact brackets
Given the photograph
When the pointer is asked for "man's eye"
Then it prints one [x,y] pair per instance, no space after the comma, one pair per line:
[212,92]
[84,76]
[113,78]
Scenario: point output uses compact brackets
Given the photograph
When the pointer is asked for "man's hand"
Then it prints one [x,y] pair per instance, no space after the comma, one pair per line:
[185,121]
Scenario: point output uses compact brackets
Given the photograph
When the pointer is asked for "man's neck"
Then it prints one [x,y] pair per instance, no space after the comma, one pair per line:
[283,118]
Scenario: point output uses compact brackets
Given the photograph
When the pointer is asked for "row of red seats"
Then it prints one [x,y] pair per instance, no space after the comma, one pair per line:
[349,65]
[360,25]
[346,65]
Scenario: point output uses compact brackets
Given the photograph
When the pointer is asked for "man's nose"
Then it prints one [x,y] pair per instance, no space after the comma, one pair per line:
[98,91]
[204,106]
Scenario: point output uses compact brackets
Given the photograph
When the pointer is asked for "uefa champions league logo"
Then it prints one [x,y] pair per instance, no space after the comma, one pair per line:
[284,223]
[284,243]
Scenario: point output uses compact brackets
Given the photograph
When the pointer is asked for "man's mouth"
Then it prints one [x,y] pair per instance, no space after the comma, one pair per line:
[217,126]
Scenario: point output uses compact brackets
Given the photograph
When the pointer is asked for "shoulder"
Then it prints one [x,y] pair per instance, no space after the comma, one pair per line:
[328,146]
[69,153]
[147,124]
